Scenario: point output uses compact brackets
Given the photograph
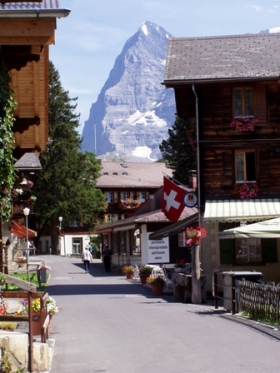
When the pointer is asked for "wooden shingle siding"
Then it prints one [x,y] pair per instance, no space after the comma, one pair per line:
[30,85]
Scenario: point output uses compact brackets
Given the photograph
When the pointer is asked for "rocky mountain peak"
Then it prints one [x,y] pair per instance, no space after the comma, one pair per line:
[133,111]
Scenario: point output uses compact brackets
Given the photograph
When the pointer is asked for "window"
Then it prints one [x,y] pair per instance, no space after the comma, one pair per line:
[182,239]
[248,250]
[75,223]
[141,196]
[245,166]
[77,245]
[109,197]
[125,195]
[243,102]
[109,218]
[135,240]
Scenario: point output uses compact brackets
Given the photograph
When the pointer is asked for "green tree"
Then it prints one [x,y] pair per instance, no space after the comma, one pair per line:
[179,150]
[7,161]
[66,185]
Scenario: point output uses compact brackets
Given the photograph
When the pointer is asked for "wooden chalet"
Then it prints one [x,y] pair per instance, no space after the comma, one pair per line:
[27,29]
[231,85]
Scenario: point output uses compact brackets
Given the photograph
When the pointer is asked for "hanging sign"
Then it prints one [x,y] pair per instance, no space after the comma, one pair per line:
[190,199]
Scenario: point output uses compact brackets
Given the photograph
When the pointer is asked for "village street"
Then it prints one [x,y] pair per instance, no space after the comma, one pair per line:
[113,325]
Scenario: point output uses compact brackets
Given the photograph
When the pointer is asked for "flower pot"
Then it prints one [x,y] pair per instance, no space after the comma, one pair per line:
[157,289]
[143,278]
[21,264]
[129,275]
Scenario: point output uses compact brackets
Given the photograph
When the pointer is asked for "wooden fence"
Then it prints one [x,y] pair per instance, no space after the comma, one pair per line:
[261,301]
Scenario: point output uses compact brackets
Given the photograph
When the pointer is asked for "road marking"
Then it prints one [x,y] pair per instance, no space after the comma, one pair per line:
[62,278]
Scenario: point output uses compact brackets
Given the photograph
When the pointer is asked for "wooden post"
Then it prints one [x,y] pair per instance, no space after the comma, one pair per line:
[196,285]
[30,361]
[216,289]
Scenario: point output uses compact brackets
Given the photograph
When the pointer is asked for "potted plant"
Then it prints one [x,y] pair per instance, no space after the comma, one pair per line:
[144,273]
[21,261]
[128,270]
[195,234]
[179,265]
[157,284]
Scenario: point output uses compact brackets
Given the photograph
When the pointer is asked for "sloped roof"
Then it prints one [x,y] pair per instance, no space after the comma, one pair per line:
[45,4]
[191,60]
[119,174]
[156,216]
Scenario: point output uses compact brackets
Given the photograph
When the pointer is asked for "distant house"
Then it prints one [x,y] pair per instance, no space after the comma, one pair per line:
[127,186]
[230,84]
[127,229]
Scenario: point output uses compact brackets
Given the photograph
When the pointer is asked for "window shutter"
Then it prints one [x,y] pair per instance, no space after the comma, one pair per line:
[260,103]
[227,251]
[269,247]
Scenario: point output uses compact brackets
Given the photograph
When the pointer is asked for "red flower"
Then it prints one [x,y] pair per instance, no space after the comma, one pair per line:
[195,234]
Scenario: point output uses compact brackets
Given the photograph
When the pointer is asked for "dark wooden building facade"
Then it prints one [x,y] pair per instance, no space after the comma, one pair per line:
[231,85]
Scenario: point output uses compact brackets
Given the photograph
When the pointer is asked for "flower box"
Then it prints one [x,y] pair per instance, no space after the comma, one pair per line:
[245,190]
[244,124]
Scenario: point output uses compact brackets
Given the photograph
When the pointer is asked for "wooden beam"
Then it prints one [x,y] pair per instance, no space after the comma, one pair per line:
[28,27]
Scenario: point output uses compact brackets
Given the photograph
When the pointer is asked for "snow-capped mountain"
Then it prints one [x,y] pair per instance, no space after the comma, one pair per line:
[133,111]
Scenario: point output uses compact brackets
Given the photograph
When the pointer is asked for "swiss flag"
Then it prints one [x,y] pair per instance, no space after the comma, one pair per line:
[172,200]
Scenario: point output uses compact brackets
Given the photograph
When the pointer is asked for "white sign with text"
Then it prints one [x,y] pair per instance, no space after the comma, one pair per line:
[158,251]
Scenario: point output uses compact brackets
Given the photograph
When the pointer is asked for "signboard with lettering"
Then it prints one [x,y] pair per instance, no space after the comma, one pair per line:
[158,251]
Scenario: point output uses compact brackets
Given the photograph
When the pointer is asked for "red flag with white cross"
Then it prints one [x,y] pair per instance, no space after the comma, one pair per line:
[172,200]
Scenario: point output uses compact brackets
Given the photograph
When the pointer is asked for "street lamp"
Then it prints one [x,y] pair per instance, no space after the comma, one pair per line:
[60,225]
[26,211]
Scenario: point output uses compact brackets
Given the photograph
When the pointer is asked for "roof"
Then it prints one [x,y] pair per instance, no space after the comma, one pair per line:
[28,162]
[132,174]
[44,4]
[241,210]
[43,9]
[252,56]
[156,216]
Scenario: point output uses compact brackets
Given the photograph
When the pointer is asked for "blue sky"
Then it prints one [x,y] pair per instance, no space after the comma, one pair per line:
[93,35]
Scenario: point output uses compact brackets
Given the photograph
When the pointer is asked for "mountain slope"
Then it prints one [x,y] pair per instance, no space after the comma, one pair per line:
[133,111]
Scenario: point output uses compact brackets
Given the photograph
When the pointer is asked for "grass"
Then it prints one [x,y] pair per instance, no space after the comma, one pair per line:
[23,276]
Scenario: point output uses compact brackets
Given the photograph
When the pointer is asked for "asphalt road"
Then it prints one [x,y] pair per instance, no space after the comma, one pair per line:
[113,325]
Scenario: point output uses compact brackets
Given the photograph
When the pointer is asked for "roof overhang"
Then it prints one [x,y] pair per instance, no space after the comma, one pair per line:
[241,210]
[174,228]
[34,13]
[183,82]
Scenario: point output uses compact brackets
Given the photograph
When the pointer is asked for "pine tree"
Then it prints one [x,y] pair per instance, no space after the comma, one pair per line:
[66,185]
[179,150]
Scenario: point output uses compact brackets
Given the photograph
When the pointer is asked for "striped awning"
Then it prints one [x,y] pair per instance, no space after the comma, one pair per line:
[236,210]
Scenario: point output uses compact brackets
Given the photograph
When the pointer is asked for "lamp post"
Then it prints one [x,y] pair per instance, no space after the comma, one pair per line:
[26,211]
[60,225]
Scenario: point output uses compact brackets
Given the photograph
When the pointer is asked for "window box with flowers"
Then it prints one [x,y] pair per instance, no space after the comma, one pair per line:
[244,124]
[195,234]
[245,190]
[129,204]
[179,265]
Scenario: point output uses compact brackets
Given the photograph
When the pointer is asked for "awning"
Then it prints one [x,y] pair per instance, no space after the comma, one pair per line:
[174,228]
[20,231]
[236,210]
[263,229]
